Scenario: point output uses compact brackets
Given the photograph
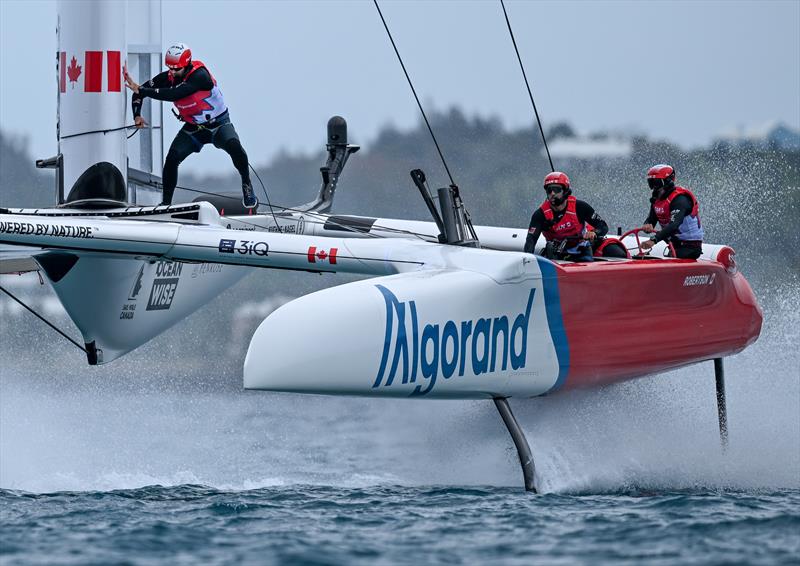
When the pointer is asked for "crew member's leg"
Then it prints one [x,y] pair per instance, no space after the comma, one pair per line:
[182,146]
[226,139]
[686,252]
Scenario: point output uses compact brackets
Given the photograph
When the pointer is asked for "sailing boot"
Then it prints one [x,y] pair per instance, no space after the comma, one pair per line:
[249,199]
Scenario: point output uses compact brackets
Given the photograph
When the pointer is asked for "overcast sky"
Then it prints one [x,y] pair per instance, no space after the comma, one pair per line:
[683,71]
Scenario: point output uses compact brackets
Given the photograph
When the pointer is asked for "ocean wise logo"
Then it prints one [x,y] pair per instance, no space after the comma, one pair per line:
[168,274]
[486,344]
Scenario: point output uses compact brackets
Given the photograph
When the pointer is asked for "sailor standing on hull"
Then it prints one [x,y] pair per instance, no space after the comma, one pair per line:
[678,212]
[191,87]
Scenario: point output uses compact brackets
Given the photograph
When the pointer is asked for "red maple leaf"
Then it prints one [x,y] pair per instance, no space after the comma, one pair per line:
[73,71]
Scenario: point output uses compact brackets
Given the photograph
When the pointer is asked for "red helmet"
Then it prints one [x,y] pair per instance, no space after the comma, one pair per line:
[178,56]
[661,176]
[559,179]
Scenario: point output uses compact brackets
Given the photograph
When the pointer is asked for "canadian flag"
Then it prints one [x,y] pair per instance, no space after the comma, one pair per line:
[91,68]
[314,254]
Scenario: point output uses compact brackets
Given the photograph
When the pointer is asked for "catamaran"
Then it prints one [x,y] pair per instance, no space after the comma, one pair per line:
[446,310]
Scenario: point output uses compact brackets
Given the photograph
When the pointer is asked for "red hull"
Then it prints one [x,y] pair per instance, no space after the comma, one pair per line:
[628,319]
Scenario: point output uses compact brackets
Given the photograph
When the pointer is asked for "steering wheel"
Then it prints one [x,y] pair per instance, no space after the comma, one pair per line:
[642,253]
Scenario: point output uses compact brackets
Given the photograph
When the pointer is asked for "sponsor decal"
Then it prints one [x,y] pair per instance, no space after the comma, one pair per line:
[164,286]
[244,247]
[129,308]
[203,268]
[285,229]
[694,280]
[315,254]
[249,247]
[137,285]
[57,230]
[447,348]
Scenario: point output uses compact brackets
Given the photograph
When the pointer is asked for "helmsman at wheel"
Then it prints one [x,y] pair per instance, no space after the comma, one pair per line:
[677,210]
[190,86]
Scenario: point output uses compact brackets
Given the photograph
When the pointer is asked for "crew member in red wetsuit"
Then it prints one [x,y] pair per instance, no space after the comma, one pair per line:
[677,210]
[572,228]
[191,87]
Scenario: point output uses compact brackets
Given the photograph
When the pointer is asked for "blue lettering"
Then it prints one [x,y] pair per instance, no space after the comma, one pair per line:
[500,325]
[391,301]
[429,367]
[466,330]
[480,365]
[443,348]
[415,340]
[450,331]
[521,324]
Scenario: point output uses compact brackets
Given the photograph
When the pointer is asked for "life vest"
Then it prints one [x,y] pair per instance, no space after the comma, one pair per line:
[690,229]
[202,106]
[568,227]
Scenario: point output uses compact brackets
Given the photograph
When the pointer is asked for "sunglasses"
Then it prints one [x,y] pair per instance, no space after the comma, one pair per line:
[657,183]
[554,189]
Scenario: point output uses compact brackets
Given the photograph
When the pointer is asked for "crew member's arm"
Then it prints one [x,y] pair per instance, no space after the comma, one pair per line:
[534,231]
[651,220]
[137,98]
[199,80]
[586,214]
[678,209]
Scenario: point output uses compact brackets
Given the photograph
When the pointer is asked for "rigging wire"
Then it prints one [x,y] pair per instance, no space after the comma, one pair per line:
[271,210]
[104,132]
[427,123]
[43,319]
[530,94]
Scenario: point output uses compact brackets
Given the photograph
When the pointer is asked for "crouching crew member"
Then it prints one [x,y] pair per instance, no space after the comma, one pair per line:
[573,230]
[677,210]
[191,87]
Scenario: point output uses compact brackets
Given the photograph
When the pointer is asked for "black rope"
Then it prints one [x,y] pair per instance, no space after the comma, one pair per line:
[104,132]
[452,182]
[530,94]
[40,317]
[271,210]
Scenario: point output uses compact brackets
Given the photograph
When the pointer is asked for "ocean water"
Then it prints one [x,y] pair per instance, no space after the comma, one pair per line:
[156,462]
[313,524]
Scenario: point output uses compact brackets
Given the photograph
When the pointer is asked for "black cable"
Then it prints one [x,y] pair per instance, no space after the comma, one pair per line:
[452,182]
[530,94]
[106,131]
[269,204]
[47,322]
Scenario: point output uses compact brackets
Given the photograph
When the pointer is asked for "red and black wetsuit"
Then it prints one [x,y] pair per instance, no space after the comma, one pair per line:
[583,213]
[678,213]
[205,116]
